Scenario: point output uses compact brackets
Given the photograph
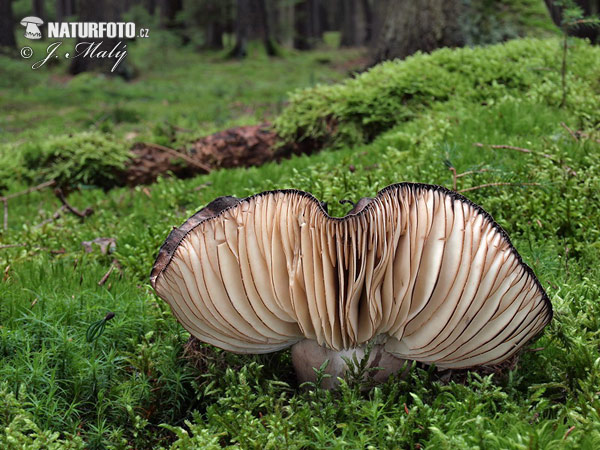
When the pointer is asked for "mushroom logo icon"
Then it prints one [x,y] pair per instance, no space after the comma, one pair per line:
[32,27]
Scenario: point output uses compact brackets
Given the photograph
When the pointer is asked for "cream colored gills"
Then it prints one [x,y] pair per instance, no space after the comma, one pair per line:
[457,300]
[423,328]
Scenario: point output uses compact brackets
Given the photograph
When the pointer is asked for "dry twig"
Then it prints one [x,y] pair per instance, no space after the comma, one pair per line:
[571,132]
[106,275]
[496,184]
[60,251]
[568,433]
[54,217]
[179,155]
[526,150]
[29,190]
[83,214]
[456,176]
[6,198]
[115,265]
[12,246]
[471,172]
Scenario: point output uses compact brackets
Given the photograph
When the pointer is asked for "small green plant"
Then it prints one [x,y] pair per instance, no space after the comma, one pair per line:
[358,373]
[96,329]
[321,376]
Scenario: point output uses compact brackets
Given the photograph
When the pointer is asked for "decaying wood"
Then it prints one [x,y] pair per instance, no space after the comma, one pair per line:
[244,146]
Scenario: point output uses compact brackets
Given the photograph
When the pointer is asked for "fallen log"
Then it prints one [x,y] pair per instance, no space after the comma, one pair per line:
[244,146]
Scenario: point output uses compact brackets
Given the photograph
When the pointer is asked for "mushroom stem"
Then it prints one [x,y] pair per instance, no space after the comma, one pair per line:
[307,356]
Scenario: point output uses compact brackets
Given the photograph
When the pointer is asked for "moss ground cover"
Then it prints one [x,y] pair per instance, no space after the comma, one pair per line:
[403,121]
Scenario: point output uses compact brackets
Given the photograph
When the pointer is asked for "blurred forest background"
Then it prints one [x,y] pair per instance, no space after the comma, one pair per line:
[389,28]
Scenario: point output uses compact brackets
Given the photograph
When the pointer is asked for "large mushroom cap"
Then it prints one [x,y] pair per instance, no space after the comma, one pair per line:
[420,269]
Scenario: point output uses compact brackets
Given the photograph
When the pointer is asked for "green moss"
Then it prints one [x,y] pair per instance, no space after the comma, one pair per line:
[77,159]
[393,92]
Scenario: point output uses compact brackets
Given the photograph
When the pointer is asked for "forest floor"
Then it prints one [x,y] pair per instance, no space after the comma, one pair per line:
[127,382]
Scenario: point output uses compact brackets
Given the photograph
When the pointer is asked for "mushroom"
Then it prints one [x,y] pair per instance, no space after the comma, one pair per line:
[32,30]
[420,271]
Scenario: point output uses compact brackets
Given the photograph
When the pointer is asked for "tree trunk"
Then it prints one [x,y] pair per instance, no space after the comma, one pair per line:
[284,31]
[252,22]
[64,9]
[214,35]
[332,10]
[7,33]
[589,7]
[263,21]
[407,26]
[354,30]
[150,6]
[211,18]
[109,11]
[168,13]
[242,29]
[307,24]
[38,9]
[368,12]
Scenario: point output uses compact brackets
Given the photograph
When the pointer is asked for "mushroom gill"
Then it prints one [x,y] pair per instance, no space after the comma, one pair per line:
[420,270]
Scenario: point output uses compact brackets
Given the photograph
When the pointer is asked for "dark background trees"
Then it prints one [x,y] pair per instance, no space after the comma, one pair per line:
[111,11]
[588,7]
[387,29]
[7,34]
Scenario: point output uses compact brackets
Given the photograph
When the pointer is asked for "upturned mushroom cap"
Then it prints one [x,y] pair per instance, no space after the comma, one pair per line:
[420,269]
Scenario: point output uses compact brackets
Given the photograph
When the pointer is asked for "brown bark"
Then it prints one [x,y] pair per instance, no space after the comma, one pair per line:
[406,26]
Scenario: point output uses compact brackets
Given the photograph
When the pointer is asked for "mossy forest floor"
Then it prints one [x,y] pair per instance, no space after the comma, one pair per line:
[420,120]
